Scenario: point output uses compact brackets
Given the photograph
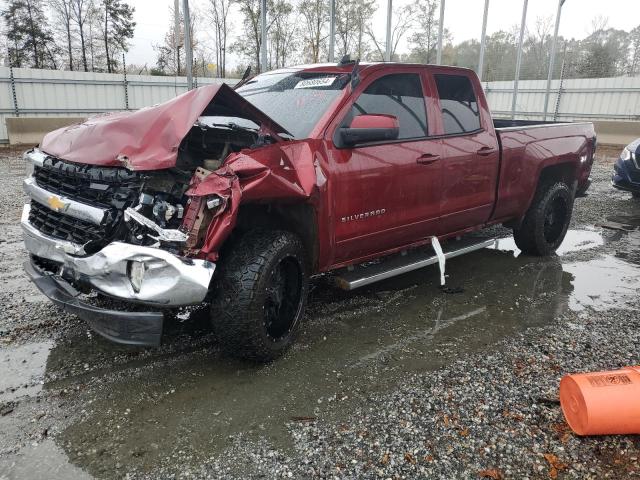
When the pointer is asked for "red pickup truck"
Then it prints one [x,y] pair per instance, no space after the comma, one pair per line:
[233,198]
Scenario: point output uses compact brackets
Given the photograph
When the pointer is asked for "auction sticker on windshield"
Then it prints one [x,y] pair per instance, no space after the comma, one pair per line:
[315,82]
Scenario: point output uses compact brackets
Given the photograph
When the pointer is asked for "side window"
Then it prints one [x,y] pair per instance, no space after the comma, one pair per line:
[460,112]
[399,95]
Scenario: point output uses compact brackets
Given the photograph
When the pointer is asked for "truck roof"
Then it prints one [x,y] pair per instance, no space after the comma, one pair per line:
[348,67]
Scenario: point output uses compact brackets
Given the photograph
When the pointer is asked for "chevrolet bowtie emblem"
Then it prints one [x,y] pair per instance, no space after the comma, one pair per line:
[56,204]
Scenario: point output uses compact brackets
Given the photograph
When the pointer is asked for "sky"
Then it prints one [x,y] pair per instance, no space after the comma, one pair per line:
[463,18]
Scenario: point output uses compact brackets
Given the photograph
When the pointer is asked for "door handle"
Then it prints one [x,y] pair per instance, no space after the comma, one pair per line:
[427,158]
[484,151]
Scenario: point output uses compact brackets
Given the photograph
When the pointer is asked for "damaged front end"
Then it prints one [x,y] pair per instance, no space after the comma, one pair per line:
[133,207]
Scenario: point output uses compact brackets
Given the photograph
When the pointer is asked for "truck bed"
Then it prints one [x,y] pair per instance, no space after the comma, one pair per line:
[527,147]
[503,123]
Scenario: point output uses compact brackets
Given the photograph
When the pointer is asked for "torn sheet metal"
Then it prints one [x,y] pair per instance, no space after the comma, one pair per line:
[277,172]
[148,139]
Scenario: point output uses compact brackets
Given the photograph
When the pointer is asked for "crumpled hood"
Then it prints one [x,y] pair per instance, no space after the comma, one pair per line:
[148,139]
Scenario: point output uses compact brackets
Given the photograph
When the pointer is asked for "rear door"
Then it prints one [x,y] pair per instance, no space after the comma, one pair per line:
[471,155]
[386,195]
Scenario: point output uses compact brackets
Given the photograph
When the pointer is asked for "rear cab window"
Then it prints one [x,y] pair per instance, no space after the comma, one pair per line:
[398,94]
[458,103]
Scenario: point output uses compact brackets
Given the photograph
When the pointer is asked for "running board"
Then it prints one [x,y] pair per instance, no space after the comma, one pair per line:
[368,273]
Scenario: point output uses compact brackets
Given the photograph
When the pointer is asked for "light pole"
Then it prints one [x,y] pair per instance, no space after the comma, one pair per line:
[332,30]
[552,59]
[263,36]
[387,55]
[523,24]
[187,44]
[176,33]
[483,39]
[440,33]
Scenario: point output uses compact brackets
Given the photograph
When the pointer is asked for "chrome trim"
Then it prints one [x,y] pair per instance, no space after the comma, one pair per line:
[43,245]
[165,235]
[35,156]
[351,280]
[62,204]
[541,125]
[169,280]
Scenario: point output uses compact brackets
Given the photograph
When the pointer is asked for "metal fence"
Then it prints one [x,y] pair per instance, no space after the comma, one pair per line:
[26,92]
[614,98]
[54,93]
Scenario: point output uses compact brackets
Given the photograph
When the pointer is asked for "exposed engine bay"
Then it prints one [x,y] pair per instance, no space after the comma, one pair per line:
[145,208]
[171,176]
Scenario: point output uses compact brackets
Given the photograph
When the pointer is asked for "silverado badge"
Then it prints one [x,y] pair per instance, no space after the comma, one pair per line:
[360,216]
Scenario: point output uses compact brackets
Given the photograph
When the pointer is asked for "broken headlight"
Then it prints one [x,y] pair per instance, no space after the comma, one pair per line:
[162,211]
[135,272]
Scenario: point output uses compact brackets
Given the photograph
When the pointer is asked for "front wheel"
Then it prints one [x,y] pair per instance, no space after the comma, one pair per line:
[259,295]
[547,220]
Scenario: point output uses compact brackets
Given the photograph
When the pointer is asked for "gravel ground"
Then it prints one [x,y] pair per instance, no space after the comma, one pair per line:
[495,414]
[475,405]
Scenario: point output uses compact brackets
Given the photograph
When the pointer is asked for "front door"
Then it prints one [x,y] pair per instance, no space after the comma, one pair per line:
[387,194]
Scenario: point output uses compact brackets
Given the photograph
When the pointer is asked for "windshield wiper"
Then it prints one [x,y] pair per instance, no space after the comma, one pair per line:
[229,125]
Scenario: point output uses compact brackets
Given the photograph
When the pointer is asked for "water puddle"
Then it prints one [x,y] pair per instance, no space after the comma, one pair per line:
[603,283]
[142,409]
[23,369]
[575,241]
[39,461]
[351,345]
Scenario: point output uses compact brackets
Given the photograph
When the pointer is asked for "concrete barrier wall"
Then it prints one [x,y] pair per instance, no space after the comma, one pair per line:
[30,130]
[27,92]
[616,133]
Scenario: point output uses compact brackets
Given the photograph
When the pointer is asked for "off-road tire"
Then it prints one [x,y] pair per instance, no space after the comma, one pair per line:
[547,220]
[244,311]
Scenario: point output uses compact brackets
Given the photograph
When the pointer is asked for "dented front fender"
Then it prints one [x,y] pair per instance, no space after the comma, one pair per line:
[279,172]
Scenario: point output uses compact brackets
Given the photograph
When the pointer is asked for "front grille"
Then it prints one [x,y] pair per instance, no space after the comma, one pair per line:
[98,186]
[64,227]
[110,188]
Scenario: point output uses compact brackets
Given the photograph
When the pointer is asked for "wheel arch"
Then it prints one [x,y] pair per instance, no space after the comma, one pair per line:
[299,218]
[565,172]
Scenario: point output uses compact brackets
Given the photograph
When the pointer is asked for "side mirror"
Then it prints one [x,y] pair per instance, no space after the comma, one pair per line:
[370,128]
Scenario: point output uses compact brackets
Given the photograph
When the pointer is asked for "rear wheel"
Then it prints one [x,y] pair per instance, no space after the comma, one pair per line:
[259,295]
[547,220]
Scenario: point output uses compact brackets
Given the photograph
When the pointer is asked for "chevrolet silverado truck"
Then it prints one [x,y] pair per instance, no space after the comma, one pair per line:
[232,198]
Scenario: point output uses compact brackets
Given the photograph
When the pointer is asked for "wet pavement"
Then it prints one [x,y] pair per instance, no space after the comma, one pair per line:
[73,405]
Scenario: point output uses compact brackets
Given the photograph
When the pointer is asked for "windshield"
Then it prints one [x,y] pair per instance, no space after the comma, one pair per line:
[294,100]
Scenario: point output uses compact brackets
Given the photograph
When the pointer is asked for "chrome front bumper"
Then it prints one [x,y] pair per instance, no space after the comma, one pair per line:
[169,280]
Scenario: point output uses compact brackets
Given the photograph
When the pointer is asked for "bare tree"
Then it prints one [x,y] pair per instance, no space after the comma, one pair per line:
[352,18]
[248,44]
[282,34]
[166,52]
[63,13]
[316,17]
[634,59]
[81,10]
[117,28]
[403,22]
[218,12]
[425,38]
[28,35]
[537,49]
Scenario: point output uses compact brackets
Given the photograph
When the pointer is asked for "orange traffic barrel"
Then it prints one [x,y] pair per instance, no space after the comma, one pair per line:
[602,403]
